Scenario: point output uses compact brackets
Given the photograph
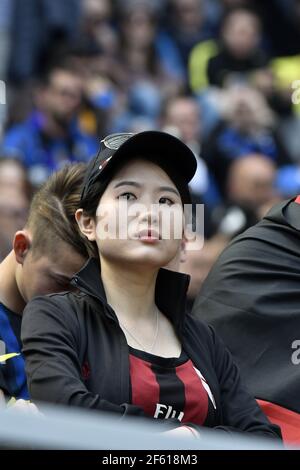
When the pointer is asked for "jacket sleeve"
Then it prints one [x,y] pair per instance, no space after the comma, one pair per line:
[51,339]
[240,410]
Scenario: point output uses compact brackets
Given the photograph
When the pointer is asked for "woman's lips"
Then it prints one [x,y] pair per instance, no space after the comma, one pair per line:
[149,236]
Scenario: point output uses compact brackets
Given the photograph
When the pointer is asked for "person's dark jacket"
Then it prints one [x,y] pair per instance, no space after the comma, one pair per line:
[225,145]
[252,298]
[76,352]
[224,64]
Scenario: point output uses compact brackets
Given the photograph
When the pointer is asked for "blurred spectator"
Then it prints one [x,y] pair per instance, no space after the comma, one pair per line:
[250,182]
[13,214]
[122,66]
[199,261]
[182,113]
[100,91]
[240,54]
[238,58]
[101,101]
[250,194]
[14,202]
[163,48]
[38,27]
[248,127]
[138,31]
[50,136]
[97,25]
[286,71]
[242,60]
[13,176]
[5,37]
[181,117]
[146,60]
[188,25]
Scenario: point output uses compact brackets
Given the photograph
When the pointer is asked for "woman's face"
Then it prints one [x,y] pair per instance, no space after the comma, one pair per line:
[139,219]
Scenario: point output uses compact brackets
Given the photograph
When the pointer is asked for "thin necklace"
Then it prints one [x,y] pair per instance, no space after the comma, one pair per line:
[150,349]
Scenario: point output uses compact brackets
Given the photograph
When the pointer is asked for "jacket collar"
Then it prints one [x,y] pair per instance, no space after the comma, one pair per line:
[170,291]
[285,213]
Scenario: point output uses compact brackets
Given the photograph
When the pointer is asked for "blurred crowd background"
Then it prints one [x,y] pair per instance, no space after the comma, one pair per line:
[223,75]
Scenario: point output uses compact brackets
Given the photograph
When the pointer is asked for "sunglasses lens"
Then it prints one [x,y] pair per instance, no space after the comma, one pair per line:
[114,141]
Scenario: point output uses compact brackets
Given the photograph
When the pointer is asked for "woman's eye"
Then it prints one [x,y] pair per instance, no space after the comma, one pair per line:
[166,200]
[127,196]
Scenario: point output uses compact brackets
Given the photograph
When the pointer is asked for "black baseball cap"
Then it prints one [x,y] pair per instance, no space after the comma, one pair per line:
[164,149]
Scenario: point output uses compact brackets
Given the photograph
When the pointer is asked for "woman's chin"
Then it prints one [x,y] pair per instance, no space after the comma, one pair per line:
[147,258]
[138,253]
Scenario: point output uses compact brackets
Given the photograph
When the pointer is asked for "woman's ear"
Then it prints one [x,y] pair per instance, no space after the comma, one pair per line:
[87,225]
[21,245]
